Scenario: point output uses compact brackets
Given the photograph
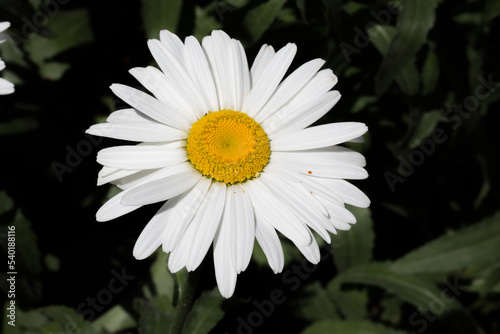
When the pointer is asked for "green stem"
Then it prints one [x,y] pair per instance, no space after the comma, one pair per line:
[186,301]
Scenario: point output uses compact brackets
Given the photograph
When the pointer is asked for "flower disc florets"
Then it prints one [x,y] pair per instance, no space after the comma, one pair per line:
[228,146]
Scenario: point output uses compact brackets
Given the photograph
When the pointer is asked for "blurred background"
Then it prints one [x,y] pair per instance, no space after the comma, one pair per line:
[424,258]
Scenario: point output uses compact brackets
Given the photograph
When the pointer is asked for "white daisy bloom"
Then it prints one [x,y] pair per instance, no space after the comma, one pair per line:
[6,87]
[230,149]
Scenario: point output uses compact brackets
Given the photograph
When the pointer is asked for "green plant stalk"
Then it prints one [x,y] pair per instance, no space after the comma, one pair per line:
[186,301]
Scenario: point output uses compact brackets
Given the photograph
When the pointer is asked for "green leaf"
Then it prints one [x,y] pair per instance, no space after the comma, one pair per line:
[204,22]
[410,288]
[346,327]
[301,5]
[162,279]
[205,314]
[392,310]
[6,203]
[72,29]
[473,246]
[115,320]
[426,125]
[353,7]
[67,320]
[156,316]
[352,304]
[18,126]
[491,281]
[33,318]
[408,79]
[491,10]
[363,102]
[356,245]
[260,18]
[160,15]
[314,304]
[414,22]
[27,250]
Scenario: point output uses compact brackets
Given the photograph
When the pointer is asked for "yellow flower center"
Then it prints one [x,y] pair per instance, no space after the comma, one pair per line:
[228,146]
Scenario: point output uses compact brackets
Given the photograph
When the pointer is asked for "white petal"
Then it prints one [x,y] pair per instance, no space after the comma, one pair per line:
[291,118]
[184,253]
[314,185]
[150,106]
[314,91]
[140,177]
[208,220]
[318,136]
[180,254]
[150,239]
[199,69]
[340,225]
[267,82]
[242,227]
[294,180]
[338,212]
[185,208]
[129,115]
[116,175]
[319,84]
[113,208]
[348,193]
[137,132]
[177,74]
[173,43]
[289,196]
[266,53]
[140,156]
[163,89]
[4,25]
[208,47]
[245,74]
[269,242]
[336,153]
[148,175]
[105,171]
[224,270]
[276,213]
[108,174]
[6,87]
[339,217]
[162,189]
[289,88]
[192,247]
[238,81]
[178,257]
[229,86]
[320,164]
[310,252]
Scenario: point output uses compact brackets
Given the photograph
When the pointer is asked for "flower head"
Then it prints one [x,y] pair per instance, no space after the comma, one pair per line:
[231,152]
[6,87]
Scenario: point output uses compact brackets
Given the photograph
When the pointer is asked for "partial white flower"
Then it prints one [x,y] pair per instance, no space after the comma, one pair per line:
[231,150]
[6,87]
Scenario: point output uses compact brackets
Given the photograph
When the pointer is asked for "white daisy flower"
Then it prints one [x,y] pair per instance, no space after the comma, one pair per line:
[230,149]
[6,87]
